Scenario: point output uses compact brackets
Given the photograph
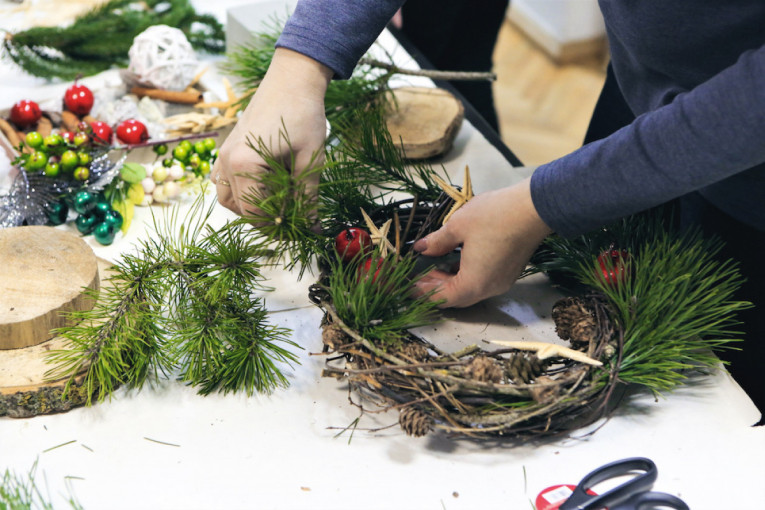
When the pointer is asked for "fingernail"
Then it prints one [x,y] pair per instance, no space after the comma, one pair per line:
[421,245]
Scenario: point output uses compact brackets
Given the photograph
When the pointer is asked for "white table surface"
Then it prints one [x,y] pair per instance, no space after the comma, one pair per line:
[280,451]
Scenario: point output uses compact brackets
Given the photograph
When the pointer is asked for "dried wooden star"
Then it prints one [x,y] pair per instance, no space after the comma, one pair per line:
[379,235]
[546,350]
[229,107]
[460,197]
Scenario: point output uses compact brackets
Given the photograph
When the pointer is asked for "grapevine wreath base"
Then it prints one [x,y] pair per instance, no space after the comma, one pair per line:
[509,391]
[474,392]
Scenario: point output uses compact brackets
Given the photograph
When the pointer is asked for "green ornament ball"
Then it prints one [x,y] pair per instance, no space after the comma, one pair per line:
[37,161]
[69,160]
[200,148]
[84,201]
[114,218]
[57,212]
[33,139]
[86,223]
[104,233]
[102,209]
[52,169]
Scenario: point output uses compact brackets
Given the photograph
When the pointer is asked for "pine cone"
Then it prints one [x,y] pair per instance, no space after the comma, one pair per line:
[483,369]
[414,422]
[333,336]
[574,321]
[521,368]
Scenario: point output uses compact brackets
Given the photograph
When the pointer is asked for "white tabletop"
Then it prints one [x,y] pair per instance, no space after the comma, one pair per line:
[168,448]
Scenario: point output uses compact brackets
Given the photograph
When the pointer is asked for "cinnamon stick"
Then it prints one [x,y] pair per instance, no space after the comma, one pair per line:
[89,119]
[44,126]
[183,97]
[69,120]
[10,133]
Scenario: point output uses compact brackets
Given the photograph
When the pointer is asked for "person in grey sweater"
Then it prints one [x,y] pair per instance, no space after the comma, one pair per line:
[691,75]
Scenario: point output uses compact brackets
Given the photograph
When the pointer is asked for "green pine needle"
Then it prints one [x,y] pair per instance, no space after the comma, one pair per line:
[379,302]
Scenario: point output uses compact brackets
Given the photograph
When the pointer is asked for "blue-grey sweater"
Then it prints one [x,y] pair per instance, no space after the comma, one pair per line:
[692,71]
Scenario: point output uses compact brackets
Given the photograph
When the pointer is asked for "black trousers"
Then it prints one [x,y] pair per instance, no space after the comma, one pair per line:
[743,243]
[458,35]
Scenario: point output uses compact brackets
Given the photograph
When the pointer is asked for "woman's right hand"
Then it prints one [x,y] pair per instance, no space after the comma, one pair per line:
[288,106]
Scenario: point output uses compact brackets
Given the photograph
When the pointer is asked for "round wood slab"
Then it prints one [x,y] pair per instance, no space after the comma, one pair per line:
[43,273]
[24,387]
[424,121]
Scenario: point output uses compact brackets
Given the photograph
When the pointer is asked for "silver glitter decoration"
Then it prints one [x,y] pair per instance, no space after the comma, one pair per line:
[27,200]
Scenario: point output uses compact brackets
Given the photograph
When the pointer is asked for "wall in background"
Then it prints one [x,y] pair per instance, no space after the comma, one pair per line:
[568,30]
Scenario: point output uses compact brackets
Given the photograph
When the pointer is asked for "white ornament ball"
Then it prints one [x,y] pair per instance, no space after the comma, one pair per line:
[159,194]
[148,185]
[162,57]
[175,173]
[172,189]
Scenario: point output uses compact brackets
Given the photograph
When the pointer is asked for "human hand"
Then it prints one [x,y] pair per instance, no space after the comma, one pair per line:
[499,231]
[290,100]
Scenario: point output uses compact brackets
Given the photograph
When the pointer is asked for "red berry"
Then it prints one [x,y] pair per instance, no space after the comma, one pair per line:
[68,136]
[25,113]
[351,241]
[78,99]
[614,266]
[102,133]
[132,132]
[366,268]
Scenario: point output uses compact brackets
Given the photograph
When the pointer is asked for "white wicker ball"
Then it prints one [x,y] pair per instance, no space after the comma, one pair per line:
[162,57]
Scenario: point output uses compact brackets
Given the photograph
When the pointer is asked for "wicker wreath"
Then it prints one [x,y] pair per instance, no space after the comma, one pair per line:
[474,392]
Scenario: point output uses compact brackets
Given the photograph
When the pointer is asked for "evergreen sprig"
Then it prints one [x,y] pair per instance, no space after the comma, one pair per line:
[101,38]
[378,301]
[677,307]
[343,100]
[676,303]
[182,304]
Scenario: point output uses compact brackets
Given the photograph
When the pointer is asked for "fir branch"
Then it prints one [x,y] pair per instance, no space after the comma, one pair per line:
[22,492]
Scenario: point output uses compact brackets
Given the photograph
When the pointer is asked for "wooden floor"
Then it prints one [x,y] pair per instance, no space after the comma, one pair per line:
[543,108]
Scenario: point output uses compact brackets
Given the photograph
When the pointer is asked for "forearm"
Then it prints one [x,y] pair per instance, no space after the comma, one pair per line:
[704,136]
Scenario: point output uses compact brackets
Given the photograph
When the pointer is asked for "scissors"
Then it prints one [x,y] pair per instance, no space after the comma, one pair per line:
[634,494]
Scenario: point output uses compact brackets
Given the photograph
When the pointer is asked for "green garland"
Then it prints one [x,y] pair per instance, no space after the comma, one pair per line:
[100,39]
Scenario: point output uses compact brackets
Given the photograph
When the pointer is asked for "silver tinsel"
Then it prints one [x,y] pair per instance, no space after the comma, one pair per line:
[30,194]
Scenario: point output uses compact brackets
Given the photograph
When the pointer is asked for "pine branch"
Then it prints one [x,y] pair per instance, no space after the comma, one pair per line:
[378,303]
[101,38]
[182,303]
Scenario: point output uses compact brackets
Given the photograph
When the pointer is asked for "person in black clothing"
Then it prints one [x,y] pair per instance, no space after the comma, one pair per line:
[458,35]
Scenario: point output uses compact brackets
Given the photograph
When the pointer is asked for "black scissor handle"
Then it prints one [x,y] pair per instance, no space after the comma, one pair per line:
[652,500]
[580,500]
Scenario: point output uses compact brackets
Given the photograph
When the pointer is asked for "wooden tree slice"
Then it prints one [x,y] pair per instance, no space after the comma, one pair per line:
[24,388]
[43,273]
[424,121]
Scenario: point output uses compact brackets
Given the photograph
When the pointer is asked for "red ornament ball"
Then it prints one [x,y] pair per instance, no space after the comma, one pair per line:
[102,132]
[25,113]
[132,132]
[369,264]
[78,99]
[352,241]
[614,266]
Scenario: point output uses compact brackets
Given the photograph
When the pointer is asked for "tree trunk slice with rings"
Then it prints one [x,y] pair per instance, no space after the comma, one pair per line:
[44,272]
[424,121]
